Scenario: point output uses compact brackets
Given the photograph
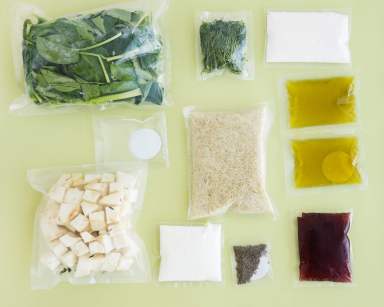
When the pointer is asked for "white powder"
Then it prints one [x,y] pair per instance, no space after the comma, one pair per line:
[321,37]
[190,253]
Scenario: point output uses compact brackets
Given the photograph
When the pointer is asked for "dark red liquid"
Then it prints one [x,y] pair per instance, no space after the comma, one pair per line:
[324,247]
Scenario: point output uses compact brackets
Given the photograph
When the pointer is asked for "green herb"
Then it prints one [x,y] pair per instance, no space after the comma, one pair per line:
[110,56]
[223,45]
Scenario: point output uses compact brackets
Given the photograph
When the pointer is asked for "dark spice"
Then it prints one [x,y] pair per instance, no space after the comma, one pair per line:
[223,45]
[247,261]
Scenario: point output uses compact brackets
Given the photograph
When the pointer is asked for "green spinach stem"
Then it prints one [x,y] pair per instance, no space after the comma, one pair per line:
[102,43]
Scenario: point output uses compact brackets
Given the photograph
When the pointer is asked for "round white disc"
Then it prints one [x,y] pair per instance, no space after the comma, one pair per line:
[144,143]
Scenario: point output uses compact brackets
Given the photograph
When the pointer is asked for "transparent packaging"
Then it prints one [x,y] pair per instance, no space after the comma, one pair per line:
[224,45]
[227,152]
[136,138]
[190,254]
[324,248]
[84,226]
[304,36]
[109,56]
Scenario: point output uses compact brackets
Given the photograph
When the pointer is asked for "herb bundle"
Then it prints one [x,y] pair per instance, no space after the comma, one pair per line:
[223,45]
[110,56]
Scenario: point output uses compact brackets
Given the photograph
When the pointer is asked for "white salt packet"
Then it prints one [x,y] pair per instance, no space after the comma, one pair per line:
[190,253]
[305,37]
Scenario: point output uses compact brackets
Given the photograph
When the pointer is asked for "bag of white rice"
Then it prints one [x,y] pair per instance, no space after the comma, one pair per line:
[228,161]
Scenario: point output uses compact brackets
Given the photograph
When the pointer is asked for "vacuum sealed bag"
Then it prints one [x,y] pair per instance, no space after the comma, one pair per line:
[228,161]
[84,227]
[224,44]
[104,57]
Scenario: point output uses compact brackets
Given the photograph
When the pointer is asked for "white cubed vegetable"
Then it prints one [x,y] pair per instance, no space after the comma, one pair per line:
[84,266]
[115,187]
[90,178]
[127,180]
[67,212]
[69,259]
[80,249]
[119,238]
[57,194]
[69,239]
[91,196]
[125,264]
[96,247]
[97,221]
[107,177]
[77,179]
[79,223]
[114,199]
[102,188]
[73,196]
[111,261]
[48,221]
[50,261]
[107,243]
[112,215]
[97,262]
[58,248]
[88,208]
[87,237]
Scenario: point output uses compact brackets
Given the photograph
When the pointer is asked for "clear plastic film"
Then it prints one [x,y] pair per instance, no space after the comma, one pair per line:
[223,43]
[135,138]
[228,161]
[108,56]
[84,226]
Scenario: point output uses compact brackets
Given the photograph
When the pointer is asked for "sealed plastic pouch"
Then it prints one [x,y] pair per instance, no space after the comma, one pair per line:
[84,226]
[136,138]
[324,248]
[308,37]
[224,44]
[251,263]
[325,159]
[108,56]
[228,161]
[190,253]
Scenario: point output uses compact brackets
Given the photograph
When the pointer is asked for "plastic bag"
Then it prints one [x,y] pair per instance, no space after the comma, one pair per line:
[324,247]
[308,37]
[109,56]
[84,227]
[251,263]
[191,253]
[128,139]
[325,159]
[228,161]
[223,42]
[320,100]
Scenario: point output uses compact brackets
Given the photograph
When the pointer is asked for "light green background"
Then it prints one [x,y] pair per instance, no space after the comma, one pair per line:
[28,142]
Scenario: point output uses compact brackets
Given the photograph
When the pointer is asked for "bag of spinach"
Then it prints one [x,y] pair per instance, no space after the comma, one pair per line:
[223,42]
[108,56]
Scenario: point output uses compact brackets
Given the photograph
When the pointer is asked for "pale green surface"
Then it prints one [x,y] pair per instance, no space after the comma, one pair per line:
[67,139]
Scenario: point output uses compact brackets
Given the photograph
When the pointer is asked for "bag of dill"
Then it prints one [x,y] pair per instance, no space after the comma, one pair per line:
[223,43]
[107,56]
[228,161]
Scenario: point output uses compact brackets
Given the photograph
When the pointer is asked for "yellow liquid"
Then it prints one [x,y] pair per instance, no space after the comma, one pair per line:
[321,102]
[322,162]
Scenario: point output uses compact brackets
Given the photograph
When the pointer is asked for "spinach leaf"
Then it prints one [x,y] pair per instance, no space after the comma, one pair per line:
[111,55]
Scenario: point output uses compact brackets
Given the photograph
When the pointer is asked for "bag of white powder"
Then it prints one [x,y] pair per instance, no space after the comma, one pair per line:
[228,161]
[305,37]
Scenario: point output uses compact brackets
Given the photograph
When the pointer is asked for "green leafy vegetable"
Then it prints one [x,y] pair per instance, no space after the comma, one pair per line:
[223,45]
[113,55]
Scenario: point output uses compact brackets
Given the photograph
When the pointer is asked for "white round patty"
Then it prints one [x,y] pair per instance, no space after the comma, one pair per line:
[144,143]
